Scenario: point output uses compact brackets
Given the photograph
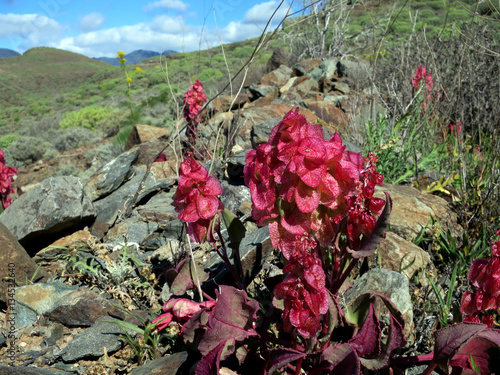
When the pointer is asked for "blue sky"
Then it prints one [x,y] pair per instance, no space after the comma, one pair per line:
[98,28]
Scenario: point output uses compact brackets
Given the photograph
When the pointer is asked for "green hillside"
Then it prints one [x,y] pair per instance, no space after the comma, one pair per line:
[45,71]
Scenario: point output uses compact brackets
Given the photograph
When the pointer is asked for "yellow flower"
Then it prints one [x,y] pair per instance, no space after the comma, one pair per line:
[138,70]
[122,61]
[120,54]
[129,79]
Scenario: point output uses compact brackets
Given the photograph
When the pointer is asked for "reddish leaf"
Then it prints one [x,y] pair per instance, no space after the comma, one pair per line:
[454,339]
[210,363]
[359,312]
[231,320]
[479,350]
[181,278]
[367,340]
[343,359]
[280,357]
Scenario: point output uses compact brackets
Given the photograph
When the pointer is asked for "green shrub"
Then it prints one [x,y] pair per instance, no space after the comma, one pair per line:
[7,140]
[94,117]
[210,74]
[27,150]
[74,138]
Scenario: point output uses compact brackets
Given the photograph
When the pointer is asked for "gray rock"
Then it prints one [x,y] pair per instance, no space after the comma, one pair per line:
[131,230]
[16,263]
[44,298]
[393,285]
[342,87]
[56,204]
[336,99]
[412,211]
[403,256]
[167,365]
[103,335]
[111,175]
[326,69]
[81,308]
[260,132]
[233,196]
[24,370]
[25,316]
[110,207]
[259,91]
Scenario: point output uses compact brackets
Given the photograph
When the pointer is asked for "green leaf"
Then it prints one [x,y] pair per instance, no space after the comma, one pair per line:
[235,228]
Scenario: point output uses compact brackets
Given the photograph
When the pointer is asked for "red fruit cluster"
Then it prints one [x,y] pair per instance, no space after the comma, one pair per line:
[362,204]
[304,295]
[6,177]
[421,76]
[303,186]
[196,199]
[180,310]
[482,305]
[194,99]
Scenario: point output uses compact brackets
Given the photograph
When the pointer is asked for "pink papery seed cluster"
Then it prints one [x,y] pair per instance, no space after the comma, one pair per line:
[362,204]
[304,295]
[179,310]
[304,186]
[194,99]
[308,190]
[196,199]
[482,305]
[421,77]
[6,178]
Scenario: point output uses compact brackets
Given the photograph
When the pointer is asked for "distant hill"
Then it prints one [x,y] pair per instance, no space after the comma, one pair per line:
[133,57]
[5,53]
[43,71]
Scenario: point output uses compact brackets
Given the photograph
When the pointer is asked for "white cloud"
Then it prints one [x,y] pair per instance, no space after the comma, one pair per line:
[29,30]
[254,21]
[260,13]
[169,4]
[162,34]
[91,21]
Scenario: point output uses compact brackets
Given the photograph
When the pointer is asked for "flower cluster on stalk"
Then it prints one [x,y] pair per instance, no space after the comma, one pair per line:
[483,305]
[194,99]
[422,77]
[196,199]
[308,189]
[6,178]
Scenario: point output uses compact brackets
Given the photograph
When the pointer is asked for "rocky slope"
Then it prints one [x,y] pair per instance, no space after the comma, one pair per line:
[88,253]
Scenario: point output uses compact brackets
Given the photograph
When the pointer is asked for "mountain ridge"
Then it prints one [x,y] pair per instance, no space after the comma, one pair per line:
[133,57]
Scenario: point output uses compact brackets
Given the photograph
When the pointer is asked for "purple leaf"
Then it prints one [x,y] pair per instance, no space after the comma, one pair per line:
[458,342]
[232,319]
[210,363]
[181,278]
[198,321]
[360,311]
[371,243]
[367,341]
[343,359]
[280,357]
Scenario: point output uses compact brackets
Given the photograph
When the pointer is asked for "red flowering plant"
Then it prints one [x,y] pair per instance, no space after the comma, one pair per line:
[482,305]
[194,99]
[317,198]
[6,178]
